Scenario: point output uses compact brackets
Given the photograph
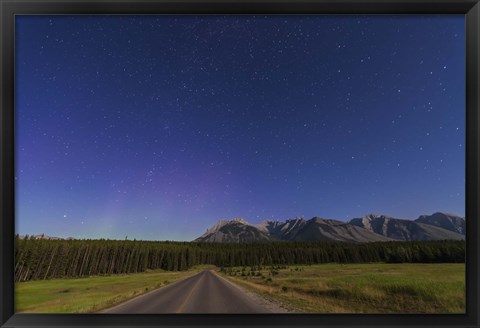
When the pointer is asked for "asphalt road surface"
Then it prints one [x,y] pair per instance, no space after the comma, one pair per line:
[204,292]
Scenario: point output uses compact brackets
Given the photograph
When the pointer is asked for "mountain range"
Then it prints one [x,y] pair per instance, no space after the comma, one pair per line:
[44,236]
[370,228]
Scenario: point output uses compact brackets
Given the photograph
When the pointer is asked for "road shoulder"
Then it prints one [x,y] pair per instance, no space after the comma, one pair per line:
[271,305]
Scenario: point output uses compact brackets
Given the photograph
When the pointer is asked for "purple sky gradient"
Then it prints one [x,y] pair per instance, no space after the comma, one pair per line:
[156,127]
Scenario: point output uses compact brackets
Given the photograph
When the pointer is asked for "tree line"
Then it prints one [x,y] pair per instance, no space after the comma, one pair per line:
[37,259]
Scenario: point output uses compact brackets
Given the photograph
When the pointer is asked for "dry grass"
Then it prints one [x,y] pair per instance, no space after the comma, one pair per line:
[361,288]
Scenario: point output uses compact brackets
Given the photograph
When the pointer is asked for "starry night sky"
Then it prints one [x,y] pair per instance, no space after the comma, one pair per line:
[156,127]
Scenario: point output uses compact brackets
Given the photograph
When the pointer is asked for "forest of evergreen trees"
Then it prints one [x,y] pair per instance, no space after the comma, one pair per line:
[46,259]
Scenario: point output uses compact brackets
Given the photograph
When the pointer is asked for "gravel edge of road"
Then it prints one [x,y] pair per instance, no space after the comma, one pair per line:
[272,305]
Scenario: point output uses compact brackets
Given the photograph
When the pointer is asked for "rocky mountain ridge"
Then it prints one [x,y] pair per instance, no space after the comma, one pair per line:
[370,228]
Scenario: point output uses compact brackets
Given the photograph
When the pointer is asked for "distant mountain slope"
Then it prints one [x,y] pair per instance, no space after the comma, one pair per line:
[318,229]
[399,229]
[446,221]
[44,236]
[233,231]
[370,228]
[282,230]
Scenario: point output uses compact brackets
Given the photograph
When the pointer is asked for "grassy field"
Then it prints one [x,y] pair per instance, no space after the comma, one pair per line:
[326,288]
[92,294]
[359,288]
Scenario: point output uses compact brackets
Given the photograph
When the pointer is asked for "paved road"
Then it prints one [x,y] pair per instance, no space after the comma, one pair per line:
[204,292]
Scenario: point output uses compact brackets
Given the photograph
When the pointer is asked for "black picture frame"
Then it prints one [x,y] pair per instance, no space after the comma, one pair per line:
[10,8]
